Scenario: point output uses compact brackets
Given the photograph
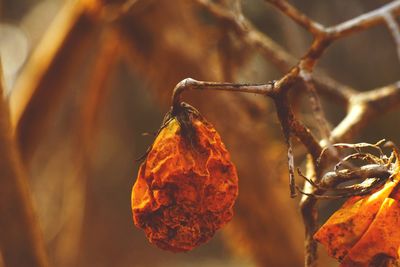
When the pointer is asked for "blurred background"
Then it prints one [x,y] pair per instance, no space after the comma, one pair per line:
[85,79]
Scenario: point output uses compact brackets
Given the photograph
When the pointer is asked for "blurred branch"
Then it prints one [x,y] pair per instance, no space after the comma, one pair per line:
[363,108]
[21,242]
[312,26]
[96,92]
[43,81]
[251,36]
[343,29]
[272,51]
[394,29]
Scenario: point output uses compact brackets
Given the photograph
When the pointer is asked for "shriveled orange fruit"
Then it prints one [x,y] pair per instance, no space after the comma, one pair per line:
[187,185]
[365,228]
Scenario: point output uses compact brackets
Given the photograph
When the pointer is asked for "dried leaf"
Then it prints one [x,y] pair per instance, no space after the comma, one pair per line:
[364,228]
[382,236]
[185,189]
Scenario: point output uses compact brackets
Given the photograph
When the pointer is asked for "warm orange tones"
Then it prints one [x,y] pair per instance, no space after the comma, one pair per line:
[365,227]
[186,187]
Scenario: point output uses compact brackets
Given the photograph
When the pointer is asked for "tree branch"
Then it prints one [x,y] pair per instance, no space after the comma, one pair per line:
[394,29]
[271,50]
[343,29]
[191,84]
[363,108]
[312,26]
[363,21]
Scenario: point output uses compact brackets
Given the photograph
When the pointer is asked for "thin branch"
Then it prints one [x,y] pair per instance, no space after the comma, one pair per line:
[278,92]
[363,21]
[191,84]
[394,29]
[272,51]
[309,214]
[312,26]
[359,104]
[112,12]
[325,35]
[334,178]
[237,7]
[363,108]
[292,182]
[291,126]
[251,36]
[343,29]
[322,122]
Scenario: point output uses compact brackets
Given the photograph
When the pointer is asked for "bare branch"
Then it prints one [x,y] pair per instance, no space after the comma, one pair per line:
[332,179]
[394,29]
[309,214]
[271,50]
[363,21]
[278,92]
[363,108]
[322,122]
[292,182]
[251,36]
[332,89]
[191,84]
[312,26]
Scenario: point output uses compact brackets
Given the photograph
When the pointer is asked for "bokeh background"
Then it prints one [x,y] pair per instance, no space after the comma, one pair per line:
[98,82]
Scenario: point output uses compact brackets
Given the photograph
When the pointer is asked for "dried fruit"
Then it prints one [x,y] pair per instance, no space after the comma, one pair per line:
[365,228]
[187,185]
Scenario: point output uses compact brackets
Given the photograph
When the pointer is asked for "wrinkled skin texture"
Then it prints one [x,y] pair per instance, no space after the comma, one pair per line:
[365,228]
[185,189]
